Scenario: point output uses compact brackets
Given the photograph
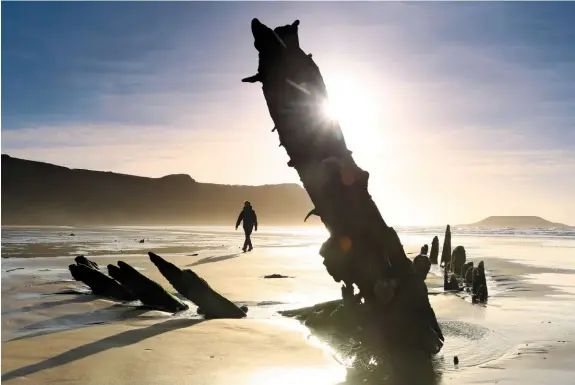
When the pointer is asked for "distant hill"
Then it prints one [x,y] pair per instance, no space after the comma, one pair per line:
[36,193]
[515,222]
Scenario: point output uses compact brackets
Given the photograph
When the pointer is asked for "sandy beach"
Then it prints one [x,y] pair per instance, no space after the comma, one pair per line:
[525,334]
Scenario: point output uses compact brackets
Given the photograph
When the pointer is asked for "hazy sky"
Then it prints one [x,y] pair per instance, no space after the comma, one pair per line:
[457,110]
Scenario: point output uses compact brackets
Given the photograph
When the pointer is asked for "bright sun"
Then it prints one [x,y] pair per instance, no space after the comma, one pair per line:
[353,106]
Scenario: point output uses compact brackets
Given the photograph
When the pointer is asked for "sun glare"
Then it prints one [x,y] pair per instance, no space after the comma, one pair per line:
[352,104]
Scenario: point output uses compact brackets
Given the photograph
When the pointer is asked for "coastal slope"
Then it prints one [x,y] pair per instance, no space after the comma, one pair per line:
[36,193]
[517,222]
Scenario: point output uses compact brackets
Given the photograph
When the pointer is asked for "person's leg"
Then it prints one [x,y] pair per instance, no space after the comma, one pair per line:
[247,240]
[248,231]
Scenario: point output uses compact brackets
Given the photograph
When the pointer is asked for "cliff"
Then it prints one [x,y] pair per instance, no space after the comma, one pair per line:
[36,193]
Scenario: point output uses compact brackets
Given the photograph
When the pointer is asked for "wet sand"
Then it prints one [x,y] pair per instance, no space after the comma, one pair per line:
[524,335]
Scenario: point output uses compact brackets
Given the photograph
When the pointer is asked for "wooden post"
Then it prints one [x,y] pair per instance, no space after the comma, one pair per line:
[434,251]
[446,250]
[362,251]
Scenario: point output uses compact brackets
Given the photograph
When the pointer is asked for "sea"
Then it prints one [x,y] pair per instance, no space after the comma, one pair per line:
[544,247]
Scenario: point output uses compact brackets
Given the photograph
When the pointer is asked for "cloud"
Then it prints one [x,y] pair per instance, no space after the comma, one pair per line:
[476,109]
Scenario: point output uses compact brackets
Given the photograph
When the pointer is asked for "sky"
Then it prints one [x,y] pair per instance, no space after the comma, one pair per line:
[458,110]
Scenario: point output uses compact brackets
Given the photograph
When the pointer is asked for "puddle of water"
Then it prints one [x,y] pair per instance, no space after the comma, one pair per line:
[473,344]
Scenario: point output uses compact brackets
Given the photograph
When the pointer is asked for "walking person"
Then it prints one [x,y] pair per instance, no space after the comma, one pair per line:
[250,222]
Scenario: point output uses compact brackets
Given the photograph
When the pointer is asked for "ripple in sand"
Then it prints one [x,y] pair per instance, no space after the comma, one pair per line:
[29,296]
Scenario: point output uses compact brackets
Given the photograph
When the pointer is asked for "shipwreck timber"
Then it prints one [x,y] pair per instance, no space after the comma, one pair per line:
[197,290]
[362,251]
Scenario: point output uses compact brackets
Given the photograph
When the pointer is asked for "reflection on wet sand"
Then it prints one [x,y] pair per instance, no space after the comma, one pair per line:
[320,375]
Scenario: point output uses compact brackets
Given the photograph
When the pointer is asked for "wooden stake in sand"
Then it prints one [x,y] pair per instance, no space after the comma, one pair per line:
[362,252]
[446,251]
[434,251]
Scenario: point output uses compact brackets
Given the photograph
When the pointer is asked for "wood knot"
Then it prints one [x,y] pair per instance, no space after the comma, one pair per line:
[345,244]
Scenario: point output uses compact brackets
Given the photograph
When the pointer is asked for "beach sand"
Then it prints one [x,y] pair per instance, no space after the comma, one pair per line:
[524,335]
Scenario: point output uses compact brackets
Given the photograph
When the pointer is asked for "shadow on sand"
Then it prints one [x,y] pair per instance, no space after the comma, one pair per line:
[49,305]
[81,320]
[126,338]
[214,259]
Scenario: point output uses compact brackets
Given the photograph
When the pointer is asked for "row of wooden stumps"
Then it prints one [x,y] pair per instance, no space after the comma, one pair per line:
[125,283]
[458,275]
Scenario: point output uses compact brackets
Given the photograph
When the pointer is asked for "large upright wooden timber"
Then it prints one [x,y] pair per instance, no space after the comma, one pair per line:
[362,249]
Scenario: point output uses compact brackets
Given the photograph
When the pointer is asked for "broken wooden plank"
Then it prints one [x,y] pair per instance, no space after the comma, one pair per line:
[147,291]
[197,290]
[81,260]
[100,283]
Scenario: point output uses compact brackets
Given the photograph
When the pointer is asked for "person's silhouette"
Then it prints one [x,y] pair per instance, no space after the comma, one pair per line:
[250,221]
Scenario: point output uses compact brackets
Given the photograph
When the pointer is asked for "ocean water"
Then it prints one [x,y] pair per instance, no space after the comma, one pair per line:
[550,248]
